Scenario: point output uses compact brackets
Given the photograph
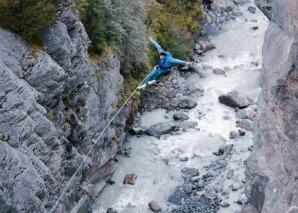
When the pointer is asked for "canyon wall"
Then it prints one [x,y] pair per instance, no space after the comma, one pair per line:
[272,168]
[54,103]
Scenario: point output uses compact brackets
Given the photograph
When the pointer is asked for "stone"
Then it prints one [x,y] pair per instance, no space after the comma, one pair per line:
[160,128]
[111,210]
[153,205]
[224,204]
[218,71]
[210,193]
[180,116]
[130,179]
[233,134]
[234,99]
[246,124]
[230,174]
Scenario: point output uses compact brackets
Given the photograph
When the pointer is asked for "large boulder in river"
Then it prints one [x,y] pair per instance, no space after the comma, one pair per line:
[272,168]
[234,99]
[161,128]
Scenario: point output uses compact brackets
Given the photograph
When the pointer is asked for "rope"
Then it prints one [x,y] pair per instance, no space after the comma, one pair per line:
[94,143]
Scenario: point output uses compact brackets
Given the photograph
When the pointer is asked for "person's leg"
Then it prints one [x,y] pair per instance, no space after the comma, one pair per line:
[164,72]
[156,75]
[153,75]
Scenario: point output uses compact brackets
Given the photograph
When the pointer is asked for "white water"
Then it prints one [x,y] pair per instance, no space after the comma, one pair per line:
[156,180]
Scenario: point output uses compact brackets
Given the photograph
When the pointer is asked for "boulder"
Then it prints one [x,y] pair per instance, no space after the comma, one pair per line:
[130,179]
[160,128]
[153,205]
[234,99]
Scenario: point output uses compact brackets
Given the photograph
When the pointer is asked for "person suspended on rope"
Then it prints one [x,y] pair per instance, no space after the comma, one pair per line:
[164,67]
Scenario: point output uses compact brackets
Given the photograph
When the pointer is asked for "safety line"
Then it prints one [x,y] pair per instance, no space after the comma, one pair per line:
[94,143]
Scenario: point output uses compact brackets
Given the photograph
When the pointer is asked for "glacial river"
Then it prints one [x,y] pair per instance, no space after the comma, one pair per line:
[239,44]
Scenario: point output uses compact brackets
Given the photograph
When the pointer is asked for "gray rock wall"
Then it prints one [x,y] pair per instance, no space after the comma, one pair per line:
[272,169]
[53,103]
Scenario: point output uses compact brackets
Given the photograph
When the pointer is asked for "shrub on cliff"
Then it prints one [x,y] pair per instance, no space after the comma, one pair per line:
[119,24]
[175,23]
[28,18]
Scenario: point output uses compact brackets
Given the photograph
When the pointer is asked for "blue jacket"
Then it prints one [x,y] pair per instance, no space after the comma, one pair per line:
[168,61]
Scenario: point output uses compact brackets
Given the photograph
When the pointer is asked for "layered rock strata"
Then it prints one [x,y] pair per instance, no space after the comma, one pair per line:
[272,169]
[54,103]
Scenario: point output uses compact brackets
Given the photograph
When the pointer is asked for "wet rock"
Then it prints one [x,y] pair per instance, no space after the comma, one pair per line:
[192,88]
[236,186]
[187,102]
[252,9]
[198,68]
[211,193]
[160,128]
[111,210]
[180,116]
[130,179]
[183,158]
[234,99]
[242,199]
[220,164]
[250,148]
[153,205]
[187,188]
[136,130]
[218,71]
[224,204]
[246,124]
[241,132]
[233,134]
[246,113]
[190,172]
[206,45]
[218,188]
[230,174]
[225,192]
[174,102]
[226,149]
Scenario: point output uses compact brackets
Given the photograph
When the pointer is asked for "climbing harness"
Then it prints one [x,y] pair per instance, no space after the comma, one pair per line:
[94,143]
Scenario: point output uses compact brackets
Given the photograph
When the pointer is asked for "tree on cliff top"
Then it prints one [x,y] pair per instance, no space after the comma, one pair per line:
[28,18]
[119,24]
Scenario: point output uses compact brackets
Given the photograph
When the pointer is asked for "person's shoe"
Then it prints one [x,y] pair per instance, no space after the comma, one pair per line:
[152,82]
[142,86]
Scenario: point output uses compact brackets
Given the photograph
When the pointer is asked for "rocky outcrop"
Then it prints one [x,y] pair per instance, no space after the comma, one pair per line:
[54,104]
[272,169]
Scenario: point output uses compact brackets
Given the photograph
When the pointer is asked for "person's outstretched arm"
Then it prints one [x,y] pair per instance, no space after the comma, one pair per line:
[177,61]
[156,45]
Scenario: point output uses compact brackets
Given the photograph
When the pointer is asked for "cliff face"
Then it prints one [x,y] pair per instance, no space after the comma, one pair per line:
[53,103]
[272,169]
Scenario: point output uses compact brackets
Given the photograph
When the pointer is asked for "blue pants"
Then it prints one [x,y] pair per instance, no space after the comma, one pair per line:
[157,72]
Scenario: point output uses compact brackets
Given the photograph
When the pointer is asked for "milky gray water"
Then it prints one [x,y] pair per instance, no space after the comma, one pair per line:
[240,45]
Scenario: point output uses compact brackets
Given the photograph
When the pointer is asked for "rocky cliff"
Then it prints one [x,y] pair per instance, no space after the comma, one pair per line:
[272,169]
[54,103]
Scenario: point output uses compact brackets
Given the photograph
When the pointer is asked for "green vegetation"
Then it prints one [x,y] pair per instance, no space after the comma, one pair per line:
[120,25]
[125,26]
[174,23]
[28,18]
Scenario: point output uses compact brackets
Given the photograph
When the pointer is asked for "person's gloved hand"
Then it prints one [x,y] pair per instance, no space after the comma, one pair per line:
[188,63]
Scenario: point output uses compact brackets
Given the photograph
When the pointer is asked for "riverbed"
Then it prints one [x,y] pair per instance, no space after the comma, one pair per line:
[157,162]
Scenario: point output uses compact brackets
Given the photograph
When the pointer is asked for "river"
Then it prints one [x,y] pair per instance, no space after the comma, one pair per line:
[238,45]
